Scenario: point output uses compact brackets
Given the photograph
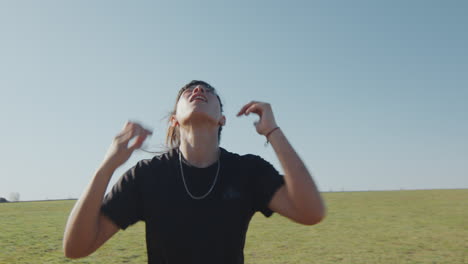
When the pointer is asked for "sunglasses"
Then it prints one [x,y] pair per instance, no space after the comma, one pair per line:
[208,88]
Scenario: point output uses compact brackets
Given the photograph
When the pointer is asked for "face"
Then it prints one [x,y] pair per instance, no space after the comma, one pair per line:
[198,103]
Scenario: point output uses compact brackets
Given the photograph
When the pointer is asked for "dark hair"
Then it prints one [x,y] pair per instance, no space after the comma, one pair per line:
[173,134]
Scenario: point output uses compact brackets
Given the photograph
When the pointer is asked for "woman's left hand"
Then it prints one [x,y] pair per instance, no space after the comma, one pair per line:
[266,122]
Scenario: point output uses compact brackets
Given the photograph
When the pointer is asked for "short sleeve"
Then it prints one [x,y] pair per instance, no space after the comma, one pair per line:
[266,181]
[123,204]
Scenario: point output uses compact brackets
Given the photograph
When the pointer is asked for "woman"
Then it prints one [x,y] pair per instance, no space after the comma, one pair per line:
[197,199]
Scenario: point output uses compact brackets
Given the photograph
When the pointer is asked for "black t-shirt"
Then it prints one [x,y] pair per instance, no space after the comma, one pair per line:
[182,230]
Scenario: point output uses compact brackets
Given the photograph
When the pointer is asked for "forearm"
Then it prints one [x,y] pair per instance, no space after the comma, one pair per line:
[301,188]
[86,228]
[83,223]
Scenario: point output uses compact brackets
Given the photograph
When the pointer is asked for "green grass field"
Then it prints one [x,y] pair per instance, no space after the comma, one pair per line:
[429,226]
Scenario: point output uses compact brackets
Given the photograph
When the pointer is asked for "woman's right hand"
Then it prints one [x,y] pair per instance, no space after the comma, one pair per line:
[120,150]
[87,227]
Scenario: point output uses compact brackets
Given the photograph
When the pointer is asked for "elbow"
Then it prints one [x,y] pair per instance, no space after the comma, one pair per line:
[71,252]
[315,217]
[312,220]
[71,255]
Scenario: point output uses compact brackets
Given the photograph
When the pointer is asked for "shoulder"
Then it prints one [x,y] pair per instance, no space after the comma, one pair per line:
[244,159]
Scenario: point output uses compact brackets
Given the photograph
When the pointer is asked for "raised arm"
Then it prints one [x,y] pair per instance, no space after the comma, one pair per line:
[299,199]
[87,228]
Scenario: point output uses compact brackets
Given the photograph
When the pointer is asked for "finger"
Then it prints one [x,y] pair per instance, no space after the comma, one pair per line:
[245,107]
[255,108]
[138,142]
[134,130]
[126,129]
[140,128]
[241,111]
[126,136]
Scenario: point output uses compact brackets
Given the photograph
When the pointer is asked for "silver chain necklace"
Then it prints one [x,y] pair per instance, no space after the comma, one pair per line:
[185,184]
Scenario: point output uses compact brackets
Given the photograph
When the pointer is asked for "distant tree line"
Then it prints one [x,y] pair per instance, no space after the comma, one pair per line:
[14,197]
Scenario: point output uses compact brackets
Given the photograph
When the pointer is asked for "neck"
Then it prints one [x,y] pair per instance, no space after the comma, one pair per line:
[199,145]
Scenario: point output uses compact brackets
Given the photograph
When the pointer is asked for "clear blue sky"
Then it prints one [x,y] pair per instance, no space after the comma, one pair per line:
[372,94]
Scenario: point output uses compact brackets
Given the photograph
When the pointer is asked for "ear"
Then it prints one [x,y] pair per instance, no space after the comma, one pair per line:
[174,121]
[222,121]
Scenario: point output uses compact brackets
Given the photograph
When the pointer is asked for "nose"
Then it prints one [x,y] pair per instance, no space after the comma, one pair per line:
[199,88]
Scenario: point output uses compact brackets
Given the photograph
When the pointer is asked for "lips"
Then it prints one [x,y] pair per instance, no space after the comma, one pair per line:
[198,98]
